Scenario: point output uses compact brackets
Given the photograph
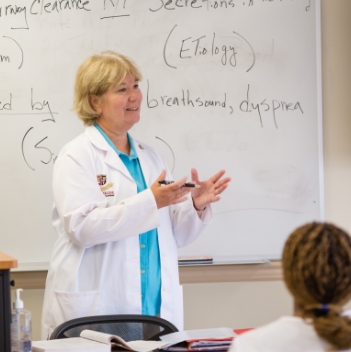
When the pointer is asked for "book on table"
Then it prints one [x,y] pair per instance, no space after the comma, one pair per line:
[95,341]
[218,339]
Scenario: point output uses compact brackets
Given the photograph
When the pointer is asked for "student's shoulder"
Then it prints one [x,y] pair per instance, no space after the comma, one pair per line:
[264,331]
[268,336]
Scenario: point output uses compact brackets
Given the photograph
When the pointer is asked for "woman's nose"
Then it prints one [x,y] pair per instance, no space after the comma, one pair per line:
[134,96]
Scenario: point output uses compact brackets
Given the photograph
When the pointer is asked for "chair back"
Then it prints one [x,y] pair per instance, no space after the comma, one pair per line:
[130,327]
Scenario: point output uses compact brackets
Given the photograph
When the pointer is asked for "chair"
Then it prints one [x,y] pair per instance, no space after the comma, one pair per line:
[130,327]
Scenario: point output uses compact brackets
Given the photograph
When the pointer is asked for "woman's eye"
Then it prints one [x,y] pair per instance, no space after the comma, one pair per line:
[122,89]
[136,86]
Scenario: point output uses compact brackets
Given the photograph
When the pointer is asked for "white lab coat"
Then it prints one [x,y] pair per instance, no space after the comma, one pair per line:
[95,267]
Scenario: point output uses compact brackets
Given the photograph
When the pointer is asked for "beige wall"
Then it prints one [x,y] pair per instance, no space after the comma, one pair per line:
[250,304]
[336,57]
[232,304]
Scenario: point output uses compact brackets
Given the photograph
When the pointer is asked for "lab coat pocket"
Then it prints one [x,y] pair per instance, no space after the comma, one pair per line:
[77,304]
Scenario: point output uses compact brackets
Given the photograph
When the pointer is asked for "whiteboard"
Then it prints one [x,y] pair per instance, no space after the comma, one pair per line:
[227,84]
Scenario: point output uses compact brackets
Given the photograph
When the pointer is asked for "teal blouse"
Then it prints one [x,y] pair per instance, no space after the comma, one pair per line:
[150,267]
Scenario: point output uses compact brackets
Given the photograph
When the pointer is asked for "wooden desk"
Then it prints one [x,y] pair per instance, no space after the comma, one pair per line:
[6,263]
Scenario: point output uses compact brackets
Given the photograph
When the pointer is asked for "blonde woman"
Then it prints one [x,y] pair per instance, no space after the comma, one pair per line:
[118,227]
[317,271]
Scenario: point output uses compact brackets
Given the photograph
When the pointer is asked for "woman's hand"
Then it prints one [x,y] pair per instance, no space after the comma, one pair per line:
[209,190]
[169,194]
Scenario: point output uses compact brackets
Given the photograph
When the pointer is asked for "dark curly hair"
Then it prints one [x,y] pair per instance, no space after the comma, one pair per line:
[317,271]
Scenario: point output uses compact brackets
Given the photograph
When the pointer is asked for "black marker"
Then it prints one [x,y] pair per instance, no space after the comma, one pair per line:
[164,182]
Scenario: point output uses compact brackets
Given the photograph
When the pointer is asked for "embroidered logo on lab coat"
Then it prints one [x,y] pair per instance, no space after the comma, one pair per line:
[102,179]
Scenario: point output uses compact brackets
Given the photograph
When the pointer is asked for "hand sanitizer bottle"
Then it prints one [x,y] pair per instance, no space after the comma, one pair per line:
[21,326]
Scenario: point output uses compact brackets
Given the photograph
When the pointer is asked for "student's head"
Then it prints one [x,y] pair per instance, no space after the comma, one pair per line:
[317,271]
[95,76]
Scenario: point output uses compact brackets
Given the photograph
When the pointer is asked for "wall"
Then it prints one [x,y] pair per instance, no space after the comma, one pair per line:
[241,304]
[232,304]
[336,63]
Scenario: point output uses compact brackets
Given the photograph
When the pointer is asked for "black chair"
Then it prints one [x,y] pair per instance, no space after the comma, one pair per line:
[130,327]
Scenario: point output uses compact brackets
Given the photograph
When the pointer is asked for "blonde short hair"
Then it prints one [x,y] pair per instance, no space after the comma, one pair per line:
[95,76]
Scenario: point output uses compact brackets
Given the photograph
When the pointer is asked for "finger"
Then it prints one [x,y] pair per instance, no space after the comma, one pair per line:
[186,190]
[215,199]
[222,182]
[179,200]
[194,175]
[183,191]
[162,176]
[221,185]
[178,184]
[220,189]
[217,176]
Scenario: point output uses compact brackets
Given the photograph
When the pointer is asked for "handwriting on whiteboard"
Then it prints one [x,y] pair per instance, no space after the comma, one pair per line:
[50,156]
[37,107]
[114,9]
[170,5]
[225,48]
[230,49]
[260,109]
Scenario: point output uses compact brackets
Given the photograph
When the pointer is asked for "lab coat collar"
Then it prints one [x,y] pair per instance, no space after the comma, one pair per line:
[113,160]
[144,161]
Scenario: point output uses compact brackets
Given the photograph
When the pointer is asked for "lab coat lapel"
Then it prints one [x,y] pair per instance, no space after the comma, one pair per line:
[111,158]
[144,162]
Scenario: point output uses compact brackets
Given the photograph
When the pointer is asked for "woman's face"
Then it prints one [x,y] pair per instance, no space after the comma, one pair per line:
[119,107]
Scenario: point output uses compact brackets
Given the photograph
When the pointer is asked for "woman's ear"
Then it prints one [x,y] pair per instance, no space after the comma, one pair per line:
[95,101]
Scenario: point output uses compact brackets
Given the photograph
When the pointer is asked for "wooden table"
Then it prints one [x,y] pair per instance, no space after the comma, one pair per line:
[6,263]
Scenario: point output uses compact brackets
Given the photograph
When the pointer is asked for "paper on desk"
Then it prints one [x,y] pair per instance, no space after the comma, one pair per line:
[72,344]
[201,334]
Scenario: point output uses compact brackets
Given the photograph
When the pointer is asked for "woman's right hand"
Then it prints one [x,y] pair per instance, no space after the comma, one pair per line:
[169,194]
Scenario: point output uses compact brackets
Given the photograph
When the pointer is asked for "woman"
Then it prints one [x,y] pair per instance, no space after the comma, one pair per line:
[118,227]
[317,272]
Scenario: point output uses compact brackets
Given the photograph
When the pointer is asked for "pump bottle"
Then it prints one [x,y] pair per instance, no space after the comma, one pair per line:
[21,326]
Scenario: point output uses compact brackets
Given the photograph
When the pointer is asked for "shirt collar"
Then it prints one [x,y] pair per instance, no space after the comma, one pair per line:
[133,154]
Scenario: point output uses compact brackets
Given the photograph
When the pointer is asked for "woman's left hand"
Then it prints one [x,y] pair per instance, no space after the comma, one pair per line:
[209,190]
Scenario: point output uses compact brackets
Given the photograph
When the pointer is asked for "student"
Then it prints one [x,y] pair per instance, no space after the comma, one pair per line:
[118,227]
[317,272]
